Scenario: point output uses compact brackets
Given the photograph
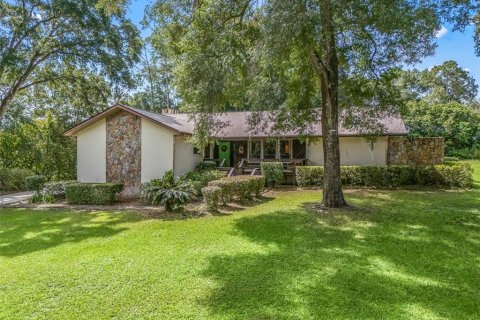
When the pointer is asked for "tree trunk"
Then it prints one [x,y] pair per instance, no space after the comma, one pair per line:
[327,69]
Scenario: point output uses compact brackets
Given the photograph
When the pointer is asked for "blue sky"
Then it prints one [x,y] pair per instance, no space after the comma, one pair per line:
[456,46]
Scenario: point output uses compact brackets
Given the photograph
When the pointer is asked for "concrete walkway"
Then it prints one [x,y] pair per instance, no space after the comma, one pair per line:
[15,199]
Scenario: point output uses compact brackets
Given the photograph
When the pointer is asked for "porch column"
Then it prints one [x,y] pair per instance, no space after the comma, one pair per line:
[277,149]
[211,151]
[261,149]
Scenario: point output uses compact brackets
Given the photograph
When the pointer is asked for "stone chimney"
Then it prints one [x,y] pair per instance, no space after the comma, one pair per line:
[169,111]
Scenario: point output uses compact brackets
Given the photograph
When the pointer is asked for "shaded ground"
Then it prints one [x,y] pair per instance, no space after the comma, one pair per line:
[394,255]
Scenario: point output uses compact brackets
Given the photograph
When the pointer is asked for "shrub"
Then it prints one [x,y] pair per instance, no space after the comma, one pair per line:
[35,183]
[241,187]
[92,193]
[309,176]
[171,191]
[56,189]
[13,179]
[227,189]
[211,197]
[455,175]
[273,173]
[201,179]
[206,165]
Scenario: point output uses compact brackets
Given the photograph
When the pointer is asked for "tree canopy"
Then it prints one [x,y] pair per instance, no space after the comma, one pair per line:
[41,40]
[439,84]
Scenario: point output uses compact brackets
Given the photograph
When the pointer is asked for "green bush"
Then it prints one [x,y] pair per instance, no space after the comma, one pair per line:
[227,189]
[211,197]
[13,179]
[201,179]
[455,175]
[206,165]
[171,191]
[309,176]
[241,187]
[56,189]
[35,183]
[273,173]
[92,193]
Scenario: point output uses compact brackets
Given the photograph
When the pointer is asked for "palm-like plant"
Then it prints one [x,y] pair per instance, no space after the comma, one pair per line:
[171,191]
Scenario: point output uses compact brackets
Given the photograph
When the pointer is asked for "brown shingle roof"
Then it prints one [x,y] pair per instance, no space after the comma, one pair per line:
[236,124]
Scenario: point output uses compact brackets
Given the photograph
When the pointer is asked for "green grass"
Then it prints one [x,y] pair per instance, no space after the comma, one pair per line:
[395,255]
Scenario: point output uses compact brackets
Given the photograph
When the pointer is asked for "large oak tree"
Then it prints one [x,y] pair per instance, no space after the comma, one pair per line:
[41,39]
[299,56]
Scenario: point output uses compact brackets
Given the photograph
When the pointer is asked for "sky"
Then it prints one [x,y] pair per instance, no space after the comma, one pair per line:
[457,46]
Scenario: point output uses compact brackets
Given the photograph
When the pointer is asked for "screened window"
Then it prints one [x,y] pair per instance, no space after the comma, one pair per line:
[299,150]
[269,149]
[255,149]
[285,149]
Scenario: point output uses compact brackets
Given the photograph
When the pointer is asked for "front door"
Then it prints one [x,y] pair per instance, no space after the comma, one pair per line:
[224,152]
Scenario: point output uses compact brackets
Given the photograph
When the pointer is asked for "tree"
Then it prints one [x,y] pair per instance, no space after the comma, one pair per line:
[440,84]
[299,55]
[459,126]
[154,79]
[38,38]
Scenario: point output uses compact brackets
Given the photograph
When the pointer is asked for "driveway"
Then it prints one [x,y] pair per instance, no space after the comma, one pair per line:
[14,199]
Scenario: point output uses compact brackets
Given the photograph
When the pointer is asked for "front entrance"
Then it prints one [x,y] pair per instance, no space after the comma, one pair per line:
[224,151]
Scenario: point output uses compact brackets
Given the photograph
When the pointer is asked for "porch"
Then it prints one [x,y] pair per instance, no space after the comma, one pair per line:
[243,157]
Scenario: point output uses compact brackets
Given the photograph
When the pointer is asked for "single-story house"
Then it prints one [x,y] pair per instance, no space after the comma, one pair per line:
[132,146]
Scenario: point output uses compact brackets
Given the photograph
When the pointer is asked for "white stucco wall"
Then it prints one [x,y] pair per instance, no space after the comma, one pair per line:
[185,159]
[91,153]
[354,151]
[157,150]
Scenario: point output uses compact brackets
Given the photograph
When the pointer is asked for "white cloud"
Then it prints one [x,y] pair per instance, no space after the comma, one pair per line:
[440,33]
[466,69]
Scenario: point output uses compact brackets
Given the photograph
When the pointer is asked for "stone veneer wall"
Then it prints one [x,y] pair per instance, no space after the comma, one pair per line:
[404,150]
[124,151]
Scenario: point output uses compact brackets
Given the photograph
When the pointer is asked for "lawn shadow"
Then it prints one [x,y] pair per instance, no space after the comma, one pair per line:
[373,261]
[26,231]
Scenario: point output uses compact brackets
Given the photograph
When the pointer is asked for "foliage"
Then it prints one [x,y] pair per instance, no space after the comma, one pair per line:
[206,165]
[92,193]
[56,189]
[171,191]
[240,187]
[460,126]
[273,173]
[39,146]
[201,178]
[35,183]
[39,40]
[457,175]
[211,197]
[440,84]
[13,179]
[308,176]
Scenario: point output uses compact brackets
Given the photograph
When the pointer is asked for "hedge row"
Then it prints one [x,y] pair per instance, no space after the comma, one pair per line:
[450,176]
[92,193]
[227,189]
[13,179]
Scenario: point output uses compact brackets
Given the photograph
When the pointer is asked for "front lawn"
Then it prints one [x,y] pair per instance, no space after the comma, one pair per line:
[395,255]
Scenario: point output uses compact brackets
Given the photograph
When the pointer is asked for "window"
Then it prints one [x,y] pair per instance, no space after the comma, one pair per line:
[299,150]
[270,149]
[255,149]
[285,149]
